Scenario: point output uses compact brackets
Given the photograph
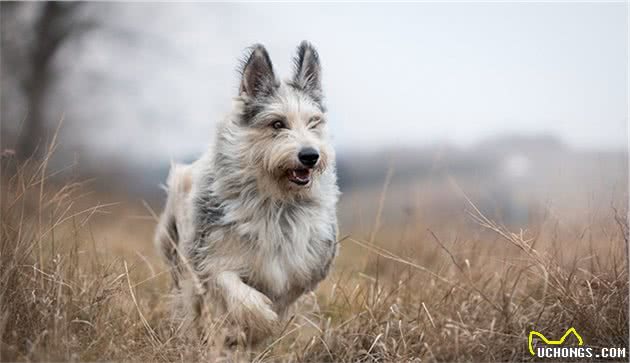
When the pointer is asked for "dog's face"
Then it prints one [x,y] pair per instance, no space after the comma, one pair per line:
[285,122]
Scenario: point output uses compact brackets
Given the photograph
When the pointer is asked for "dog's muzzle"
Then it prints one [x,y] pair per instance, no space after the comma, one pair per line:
[308,157]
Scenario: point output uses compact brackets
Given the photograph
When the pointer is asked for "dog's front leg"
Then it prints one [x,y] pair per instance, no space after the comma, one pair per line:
[247,306]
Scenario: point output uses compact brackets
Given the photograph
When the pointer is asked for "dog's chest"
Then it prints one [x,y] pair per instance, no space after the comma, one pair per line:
[292,254]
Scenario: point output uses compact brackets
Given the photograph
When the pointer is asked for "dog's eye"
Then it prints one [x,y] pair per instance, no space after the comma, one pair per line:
[314,122]
[278,125]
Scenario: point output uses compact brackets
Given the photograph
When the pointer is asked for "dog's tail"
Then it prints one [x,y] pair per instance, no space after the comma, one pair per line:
[174,218]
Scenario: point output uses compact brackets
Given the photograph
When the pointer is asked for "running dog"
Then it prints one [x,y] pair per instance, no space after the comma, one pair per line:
[252,224]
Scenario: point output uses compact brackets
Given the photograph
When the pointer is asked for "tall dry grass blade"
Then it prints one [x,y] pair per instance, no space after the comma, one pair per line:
[391,256]
[155,340]
[381,204]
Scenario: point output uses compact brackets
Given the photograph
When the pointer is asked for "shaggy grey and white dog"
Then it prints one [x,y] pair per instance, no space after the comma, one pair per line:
[253,222]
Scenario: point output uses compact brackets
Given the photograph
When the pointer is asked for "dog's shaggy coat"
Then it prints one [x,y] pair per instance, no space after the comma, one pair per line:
[253,222]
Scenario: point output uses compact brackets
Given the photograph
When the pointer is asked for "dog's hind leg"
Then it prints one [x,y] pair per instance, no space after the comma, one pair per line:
[174,218]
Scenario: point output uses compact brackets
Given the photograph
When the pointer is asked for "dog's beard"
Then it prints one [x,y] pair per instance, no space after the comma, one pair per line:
[277,163]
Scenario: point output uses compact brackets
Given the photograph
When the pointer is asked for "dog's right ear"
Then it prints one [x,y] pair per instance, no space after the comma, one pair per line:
[308,71]
[257,73]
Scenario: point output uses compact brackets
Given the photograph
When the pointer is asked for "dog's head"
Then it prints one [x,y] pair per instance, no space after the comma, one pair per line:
[284,122]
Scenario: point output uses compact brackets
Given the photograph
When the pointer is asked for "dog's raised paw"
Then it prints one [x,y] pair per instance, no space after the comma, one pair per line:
[258,306]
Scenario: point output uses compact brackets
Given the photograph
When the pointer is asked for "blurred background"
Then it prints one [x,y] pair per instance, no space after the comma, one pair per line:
[522,107]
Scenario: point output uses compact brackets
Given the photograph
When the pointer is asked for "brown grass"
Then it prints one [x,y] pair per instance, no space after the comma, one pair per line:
[79,282]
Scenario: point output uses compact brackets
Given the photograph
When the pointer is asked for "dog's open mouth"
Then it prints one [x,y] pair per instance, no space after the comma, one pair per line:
[300,176]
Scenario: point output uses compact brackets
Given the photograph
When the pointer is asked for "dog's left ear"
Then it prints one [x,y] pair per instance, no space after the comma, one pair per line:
[308,71]
[257,73]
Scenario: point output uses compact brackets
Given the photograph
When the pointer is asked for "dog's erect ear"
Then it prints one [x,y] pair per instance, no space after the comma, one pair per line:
[308,71]
[257,73]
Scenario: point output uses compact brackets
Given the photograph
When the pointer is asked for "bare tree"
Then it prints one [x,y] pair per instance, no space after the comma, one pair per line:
[32,62]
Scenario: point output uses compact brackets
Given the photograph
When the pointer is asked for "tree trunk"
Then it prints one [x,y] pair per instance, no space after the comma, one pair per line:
[51,30]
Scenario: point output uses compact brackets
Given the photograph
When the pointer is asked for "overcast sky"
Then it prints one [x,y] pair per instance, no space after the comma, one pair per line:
[394,74]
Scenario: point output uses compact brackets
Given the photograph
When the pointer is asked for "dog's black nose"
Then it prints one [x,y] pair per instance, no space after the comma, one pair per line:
[308,156]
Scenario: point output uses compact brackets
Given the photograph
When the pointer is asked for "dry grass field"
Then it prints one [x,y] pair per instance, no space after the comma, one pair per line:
[79,281]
